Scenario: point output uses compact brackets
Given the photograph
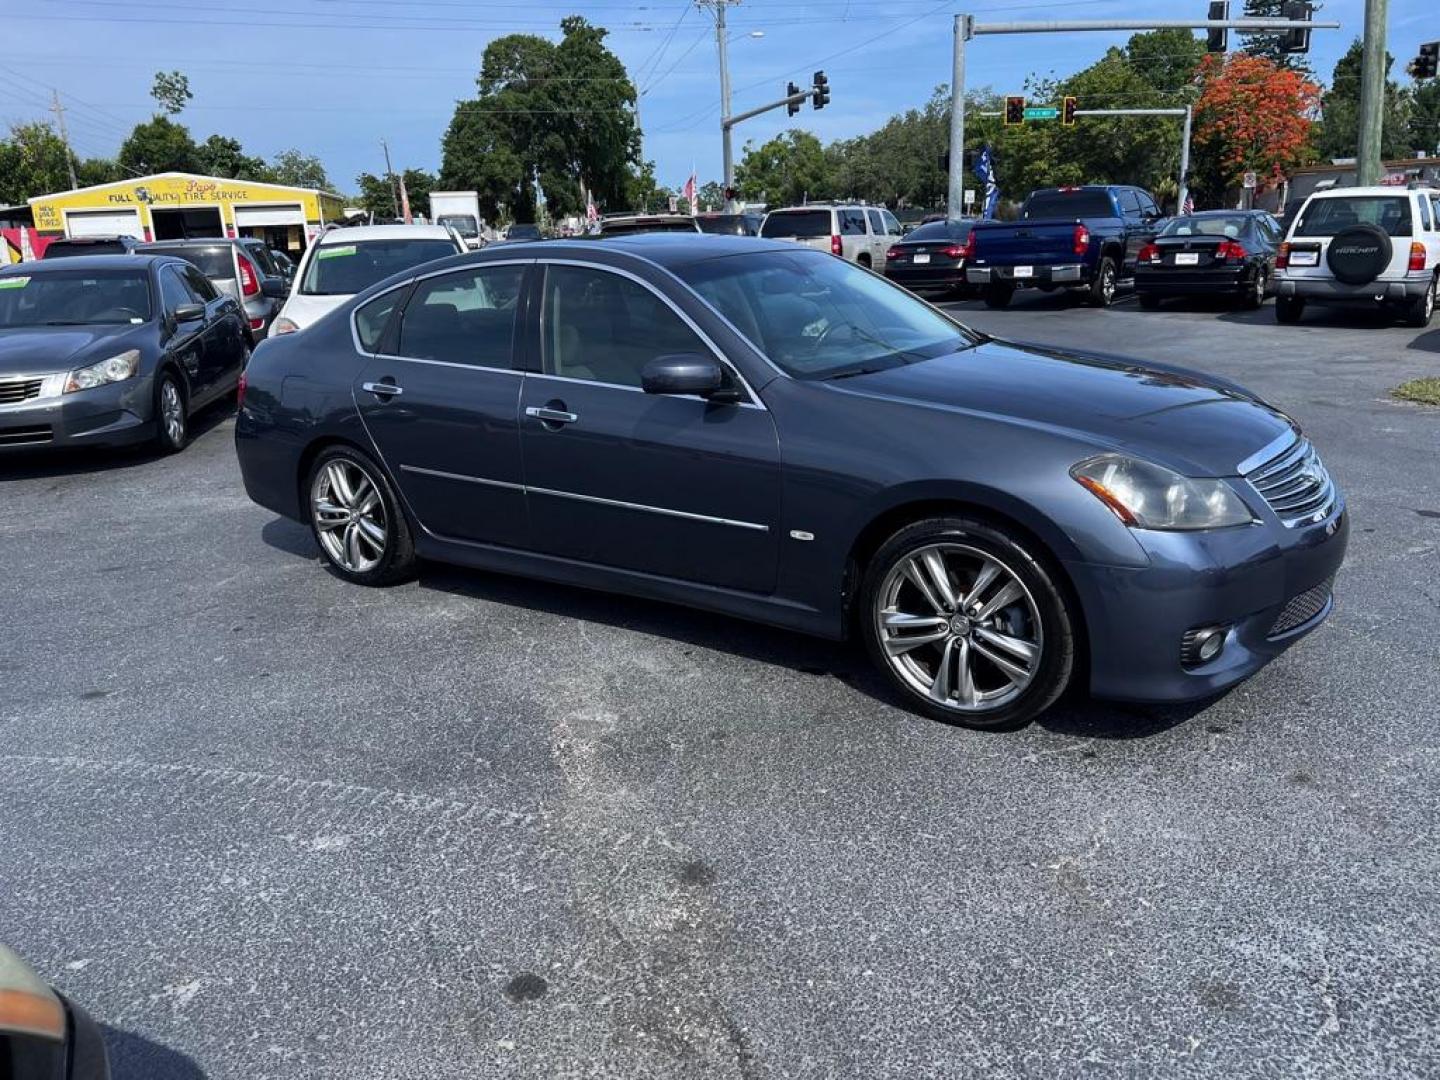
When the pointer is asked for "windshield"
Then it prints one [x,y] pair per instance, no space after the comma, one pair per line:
[346,269]
[626,228]
[523,232]
[802,223]
[63,249]
[940,230]
[74,298]
[819,317]
[1206,226]
[213,262]
[463,224]
[1326,217]
[1068,204]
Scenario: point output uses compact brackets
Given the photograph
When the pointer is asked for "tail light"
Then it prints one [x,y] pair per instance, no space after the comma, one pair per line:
[967,250]
[249,279]
[240,390]
[894,253]
[1282,257]
[835,246]
[1082,239]
[1417,256]
[955,251]
[1150,253]
[257,324]
[1231,250]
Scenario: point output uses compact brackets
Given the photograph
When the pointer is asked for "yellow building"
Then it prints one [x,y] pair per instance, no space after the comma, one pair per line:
[174,206]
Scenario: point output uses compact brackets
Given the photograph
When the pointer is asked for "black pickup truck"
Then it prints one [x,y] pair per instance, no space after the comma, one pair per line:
[1066,238]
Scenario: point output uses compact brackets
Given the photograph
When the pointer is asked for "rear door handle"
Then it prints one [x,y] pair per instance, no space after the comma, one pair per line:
[551,416]
[382,389]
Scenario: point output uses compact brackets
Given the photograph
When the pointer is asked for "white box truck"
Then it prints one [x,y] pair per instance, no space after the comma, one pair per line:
[461,211]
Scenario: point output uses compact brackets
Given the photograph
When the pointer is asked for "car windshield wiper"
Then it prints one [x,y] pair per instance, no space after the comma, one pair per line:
[852,373]
[66,322]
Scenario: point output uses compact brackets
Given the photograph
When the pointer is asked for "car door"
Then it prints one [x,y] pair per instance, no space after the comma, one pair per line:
[1135,227]
[669,485]
[185,341]
[439,396]
[224,353]
[878,243]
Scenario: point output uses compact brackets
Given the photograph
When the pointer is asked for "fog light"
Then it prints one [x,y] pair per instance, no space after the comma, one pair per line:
[1202,645]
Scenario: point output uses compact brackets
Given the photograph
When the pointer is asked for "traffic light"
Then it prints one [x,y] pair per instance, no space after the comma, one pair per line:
[1014,111]
[821,97]
[1067,111]
[1218,39]
[1297,41]
[1427,64]
[792,107]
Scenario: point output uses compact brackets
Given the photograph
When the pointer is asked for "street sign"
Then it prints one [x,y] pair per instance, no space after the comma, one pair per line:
[1039,112]
[1250,179]
[969,196]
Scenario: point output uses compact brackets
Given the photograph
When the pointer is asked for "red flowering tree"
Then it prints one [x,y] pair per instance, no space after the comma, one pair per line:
[1252,115]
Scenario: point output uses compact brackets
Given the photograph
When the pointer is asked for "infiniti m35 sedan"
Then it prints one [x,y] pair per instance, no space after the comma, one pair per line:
[771,432]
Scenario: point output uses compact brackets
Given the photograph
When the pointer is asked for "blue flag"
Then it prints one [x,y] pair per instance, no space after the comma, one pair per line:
[985,172]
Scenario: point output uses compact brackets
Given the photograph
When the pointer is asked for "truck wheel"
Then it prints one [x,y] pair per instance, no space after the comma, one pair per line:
[1421,310]
[999,296]
[1289,309]
[1102,290]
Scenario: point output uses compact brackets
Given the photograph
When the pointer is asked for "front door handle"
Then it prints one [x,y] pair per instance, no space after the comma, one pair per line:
[551,416]
[382,389]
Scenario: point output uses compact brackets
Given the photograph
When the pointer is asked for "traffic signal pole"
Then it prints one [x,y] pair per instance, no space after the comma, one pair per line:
[965,28]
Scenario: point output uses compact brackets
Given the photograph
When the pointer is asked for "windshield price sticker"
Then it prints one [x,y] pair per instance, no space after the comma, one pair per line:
[335,252]
[14,282]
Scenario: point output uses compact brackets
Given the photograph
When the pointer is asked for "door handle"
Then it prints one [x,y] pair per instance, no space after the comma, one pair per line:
[551,416]
[382,389]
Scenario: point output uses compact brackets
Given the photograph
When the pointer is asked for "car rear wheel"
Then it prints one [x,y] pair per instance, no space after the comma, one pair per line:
[1289,309]
[357,520]
[172,428]
[1254,298]
[967,623]
[1102,290]
[1422,309]
[999,296]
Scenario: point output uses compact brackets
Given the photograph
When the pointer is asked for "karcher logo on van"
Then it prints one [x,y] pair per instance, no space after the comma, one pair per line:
[1357,249]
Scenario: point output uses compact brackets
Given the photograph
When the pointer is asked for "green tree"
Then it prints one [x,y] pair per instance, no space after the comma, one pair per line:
[32,162]
[222,156]
[711,194]
[159,145]
[298,169]
[1425,117]
[418,185]
[171,90]
[790,168]
[1339,131]
[377,194]
[94,171]
[1271,46]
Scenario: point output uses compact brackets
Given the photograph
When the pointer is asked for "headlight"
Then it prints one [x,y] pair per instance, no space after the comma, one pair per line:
[116,369]
[1152,497]
[282,325]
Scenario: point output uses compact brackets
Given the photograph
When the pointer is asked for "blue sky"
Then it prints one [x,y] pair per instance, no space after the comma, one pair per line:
[334,77]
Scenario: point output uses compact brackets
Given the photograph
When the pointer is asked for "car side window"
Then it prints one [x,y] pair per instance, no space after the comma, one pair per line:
[261,256]
[464,318]
[1129,203]
[892,225]
[602,327]
[1425,221]
[852,223]
[199,285]
[372,318]
[1147,206]
[173,290]
[876,225]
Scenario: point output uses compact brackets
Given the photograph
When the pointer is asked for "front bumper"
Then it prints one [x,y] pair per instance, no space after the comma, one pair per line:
[1189,282]
[118,414]
[1058,275]
[1330,291]
[1242,578]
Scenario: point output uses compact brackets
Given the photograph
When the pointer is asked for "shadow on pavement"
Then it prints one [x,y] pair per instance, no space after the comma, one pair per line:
[291,537]
[134,1057]
[1427,342]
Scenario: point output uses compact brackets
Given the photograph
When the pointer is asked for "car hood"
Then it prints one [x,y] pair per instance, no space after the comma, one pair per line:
[1199,425]
[304,311]
[41,350]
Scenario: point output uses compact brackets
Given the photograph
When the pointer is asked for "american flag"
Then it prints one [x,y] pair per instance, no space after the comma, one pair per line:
[1188,206]
[689,192]
[592,214]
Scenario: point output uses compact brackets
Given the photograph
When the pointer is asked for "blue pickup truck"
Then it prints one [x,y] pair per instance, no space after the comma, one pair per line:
[1066,238]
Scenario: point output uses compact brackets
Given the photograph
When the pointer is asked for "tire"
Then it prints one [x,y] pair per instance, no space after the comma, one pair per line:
[172,419]
[341,485]
[999,296]
[1149,301]
[1289,309]
[1101,292]
[1253,299]
[1037,620]
[864,260]
[1421,310]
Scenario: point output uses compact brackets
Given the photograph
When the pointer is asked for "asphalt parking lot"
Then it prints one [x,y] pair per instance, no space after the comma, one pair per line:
[264,824]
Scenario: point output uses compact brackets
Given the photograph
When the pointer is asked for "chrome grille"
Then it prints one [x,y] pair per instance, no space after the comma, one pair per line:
[26,436]
[1295,484]
[1302,608]
[14,391]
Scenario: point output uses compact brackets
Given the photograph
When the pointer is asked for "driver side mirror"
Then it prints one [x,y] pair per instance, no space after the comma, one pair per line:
[189,313]
[687,373]
[274,288]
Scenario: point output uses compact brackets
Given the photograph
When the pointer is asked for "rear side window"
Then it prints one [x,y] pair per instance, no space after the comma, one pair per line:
[372,318]
[876,225]
[463,318]
[892,226]
[1129,202]
[801,223]
[1326,217]
[1424,205]
[852,223]
[1069,204]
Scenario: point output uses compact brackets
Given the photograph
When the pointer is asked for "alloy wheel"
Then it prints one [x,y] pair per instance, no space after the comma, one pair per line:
[349,516]
[172,412]
[1261,283]
[959,626]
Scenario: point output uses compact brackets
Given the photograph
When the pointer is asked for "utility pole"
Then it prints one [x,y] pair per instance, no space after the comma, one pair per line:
[721,45]
[59,111]
[1184,190]
[390,176]
[1372,92]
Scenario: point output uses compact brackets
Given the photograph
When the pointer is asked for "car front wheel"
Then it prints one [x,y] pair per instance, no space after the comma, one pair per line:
[357,520]
[172,428]
[967,623]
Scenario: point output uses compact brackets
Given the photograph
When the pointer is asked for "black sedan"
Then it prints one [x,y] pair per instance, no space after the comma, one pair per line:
[1225,252]
[759,429]
[930,257]
[111,350]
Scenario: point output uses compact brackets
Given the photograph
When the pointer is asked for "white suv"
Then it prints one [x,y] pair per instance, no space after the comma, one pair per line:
[861,234]
[1367,245]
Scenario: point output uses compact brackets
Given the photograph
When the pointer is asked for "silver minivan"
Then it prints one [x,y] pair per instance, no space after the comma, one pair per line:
[240,268]
[857,232]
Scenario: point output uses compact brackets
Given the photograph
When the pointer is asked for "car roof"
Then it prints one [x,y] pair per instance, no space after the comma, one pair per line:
[91,262]
[662,249]
[98,238]
[384,232]
[1375,189]
[158,245]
